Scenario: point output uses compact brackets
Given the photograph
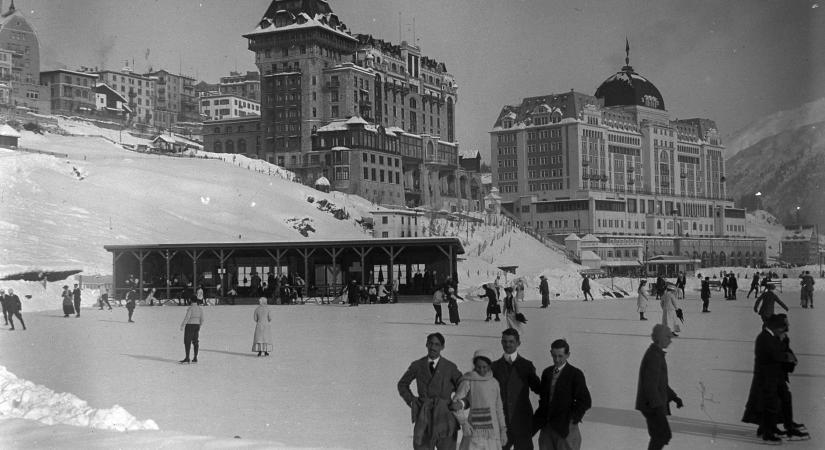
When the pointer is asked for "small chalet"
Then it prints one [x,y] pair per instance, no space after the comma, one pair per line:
[174,143]
[8,136]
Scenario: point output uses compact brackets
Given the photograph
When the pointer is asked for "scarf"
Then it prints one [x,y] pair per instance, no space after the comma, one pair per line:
[483,416]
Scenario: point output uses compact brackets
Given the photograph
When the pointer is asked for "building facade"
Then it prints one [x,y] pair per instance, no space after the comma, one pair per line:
[175,99]
[226,106]
[246,85]
[18,38]
[800,246]
[139,89]
[615,164]
[72,93]
[235,135]
[332,102]
[388,223]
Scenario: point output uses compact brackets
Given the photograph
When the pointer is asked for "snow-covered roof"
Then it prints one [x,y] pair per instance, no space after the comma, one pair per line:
[468,153]
[8,131]
[572,237]
[339,148]
[588,255]
[319,21]
[356,120]
[486,178]
[323,181]
[590,238]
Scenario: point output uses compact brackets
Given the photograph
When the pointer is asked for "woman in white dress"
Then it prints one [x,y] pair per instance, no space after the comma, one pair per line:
[642,299]
[669,308]
[262,340]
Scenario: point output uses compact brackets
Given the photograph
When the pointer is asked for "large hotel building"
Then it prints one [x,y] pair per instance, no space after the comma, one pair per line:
[376,119]
[616,166]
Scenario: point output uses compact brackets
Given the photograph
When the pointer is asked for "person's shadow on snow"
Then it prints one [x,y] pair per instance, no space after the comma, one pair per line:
[151,358]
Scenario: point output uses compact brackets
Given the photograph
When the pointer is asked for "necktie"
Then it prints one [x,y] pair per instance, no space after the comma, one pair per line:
[432,367]
[509,359]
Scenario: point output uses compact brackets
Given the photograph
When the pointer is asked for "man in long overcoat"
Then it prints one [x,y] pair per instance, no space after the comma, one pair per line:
[653,394]
[436,381]
[516,377]
[544,290]
[76,298]
[764,402]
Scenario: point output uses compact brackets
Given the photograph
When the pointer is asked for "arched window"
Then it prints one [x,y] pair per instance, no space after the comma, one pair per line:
[230,146]
[242,146]
[413,103]
[218,147]
[658,224]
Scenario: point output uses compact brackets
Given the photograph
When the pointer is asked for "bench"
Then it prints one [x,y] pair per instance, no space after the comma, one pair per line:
[715,284]
[776,284]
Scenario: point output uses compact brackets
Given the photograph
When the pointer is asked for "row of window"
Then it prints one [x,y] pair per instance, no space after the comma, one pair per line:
[544,134]
[618,138]
[545,147]
[545,173]
[506,150]
[544,160]
[372,174]
[380,160]
[545,186]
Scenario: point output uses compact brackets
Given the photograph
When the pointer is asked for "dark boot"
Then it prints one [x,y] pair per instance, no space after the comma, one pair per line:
[642,316]
[195,345]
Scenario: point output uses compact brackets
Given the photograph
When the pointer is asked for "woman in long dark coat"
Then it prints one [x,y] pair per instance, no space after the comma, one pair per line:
[68,306]
[452,306]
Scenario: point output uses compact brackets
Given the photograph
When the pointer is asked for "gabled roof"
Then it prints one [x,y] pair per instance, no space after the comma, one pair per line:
[572,237]
[8,131]
[590,238]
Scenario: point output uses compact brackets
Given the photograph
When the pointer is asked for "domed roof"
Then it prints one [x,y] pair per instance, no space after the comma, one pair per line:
[627,88]
[323,181]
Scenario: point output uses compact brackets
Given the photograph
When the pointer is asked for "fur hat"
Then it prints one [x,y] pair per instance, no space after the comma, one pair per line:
[484,354]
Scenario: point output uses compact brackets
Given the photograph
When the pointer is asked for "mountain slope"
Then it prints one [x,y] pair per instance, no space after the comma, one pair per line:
[788,168]
[774,124]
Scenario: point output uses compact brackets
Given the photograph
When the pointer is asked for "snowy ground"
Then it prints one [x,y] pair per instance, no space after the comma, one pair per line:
[331,381]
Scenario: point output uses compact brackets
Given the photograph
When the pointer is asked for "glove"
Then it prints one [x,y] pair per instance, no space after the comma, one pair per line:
[678,402]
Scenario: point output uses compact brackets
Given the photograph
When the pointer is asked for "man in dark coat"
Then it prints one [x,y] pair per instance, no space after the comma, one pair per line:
[653,394]
[704,293]
[766,302]
[492,302]
[544,290]
[3,304]
[754,285]
[76,297]
[563,400]
[733,286]
[13,308]
[764,402]
[352,293]
[516,377]
[661,285]
[586,288]
[436,381]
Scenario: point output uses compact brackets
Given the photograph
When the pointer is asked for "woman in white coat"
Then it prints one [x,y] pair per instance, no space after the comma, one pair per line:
[482,426]
[262,340]
[642,299]
[669,307]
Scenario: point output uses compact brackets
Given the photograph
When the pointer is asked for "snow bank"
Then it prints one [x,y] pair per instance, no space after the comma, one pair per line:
[24,399]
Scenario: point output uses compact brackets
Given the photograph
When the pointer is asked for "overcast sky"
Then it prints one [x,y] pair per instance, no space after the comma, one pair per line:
[730,61]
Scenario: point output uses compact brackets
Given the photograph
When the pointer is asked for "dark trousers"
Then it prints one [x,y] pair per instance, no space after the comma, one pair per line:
[755,290]
[705,303]
[445,443]
[438,318]
[519,443]
[131,311]
[586,293]
[787,406]
[12,315]
[770,393]
[77,306]
[5,314]
[658,429]
[104,300]
[190,337]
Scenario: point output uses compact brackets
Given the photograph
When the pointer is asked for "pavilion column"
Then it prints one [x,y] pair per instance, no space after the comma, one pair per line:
[140,255]
[222,257]
[168,255]
[306,253]
[451,262]
[279,253]
[363,252]
[195,255]
[392,253]
[115,257]
[333,254]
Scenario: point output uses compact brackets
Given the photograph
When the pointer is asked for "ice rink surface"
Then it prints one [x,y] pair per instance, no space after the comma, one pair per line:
[331,381]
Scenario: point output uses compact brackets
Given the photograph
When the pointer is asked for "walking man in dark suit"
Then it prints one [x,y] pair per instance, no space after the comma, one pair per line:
[76,297]
[436,381]
[563,400]
[516,377]
[653,394]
